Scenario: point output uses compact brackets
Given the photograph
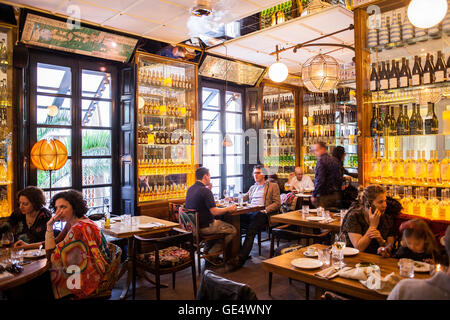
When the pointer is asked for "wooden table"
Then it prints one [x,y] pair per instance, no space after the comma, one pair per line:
[282,265]
[235,219]
[295,218]
[30,271]
[120,230]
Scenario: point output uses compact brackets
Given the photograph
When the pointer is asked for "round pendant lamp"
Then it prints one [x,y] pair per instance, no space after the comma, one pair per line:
[320,73]
[427,13]
[278,71]
[49,154]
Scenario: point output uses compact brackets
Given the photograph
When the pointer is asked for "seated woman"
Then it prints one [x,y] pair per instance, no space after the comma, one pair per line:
[28,222]
[369,223]
[84,249]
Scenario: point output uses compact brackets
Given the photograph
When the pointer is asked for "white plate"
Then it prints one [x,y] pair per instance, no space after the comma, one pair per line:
[350,251]
[33,253]
[420,266]
[148,225]
[375,266]
[315,218]
[306,263]
[315,254]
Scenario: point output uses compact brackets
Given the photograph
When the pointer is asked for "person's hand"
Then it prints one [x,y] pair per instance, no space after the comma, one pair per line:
[373,233]
[232,208]
[52,220]
[384,251]
[374,218]
[20,244]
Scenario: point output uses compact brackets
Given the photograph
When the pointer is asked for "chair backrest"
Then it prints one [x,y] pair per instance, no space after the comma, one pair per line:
[214,287]
[188,219]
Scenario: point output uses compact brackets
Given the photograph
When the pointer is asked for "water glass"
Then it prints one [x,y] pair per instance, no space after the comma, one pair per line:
[320,211]
[324,256]
[338,250]
[134,222]
[406,268]
[126,218]
[305,211]
[17,256]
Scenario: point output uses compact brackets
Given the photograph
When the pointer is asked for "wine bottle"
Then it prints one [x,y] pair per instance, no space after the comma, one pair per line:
[380,125]
[419,120]
[387,122]
[393,124]
[431,121]
[400,122]
[413,122]
[428,70]
[383,76]
[393,76]
[417,72]
[405,120]
[440,69]
[405,74]
[374,81]
[373,123]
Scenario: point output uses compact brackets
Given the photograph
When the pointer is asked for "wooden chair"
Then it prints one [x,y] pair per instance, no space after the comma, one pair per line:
[189,222]
[283,232]
[167,256]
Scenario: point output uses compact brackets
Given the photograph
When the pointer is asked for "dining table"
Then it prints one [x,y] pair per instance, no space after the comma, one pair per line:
[282,265]
[310,221]
[140,226]
[32,268]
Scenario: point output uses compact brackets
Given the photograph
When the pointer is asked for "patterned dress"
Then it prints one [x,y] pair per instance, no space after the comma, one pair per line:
[80,263]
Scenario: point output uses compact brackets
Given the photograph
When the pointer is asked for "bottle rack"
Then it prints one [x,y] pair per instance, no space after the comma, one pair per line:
[6,123]
[278,149]
[165,127]
[330,117]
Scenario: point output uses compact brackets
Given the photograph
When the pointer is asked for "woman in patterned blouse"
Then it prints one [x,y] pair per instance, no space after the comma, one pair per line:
[369,223]
[81,261]
[28,222]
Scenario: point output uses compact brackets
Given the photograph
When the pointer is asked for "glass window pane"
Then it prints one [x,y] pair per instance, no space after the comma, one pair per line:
[211,121]
[233,123]
[234,165]
[238,144]
[96,113]
[61,178]
[63,135]
[235,184]
[96,142]
[54,79]
[96,84]
[210,98]
[96,171]
[97,198]
[216,187]
[54,110]
[212,143]
[213,164]
[233,101]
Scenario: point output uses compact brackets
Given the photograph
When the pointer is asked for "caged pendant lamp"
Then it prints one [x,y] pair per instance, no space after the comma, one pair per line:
[320,73]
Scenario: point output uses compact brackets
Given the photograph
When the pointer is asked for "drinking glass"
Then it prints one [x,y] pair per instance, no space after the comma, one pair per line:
[7,239]
[406,268]
[305,211]
[126,219]
[338,250]
[320,211]
[324,256]
[17,256]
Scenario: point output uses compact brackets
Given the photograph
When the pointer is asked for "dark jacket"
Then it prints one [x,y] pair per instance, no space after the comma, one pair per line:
[17,224]
[328,177]
[214,287]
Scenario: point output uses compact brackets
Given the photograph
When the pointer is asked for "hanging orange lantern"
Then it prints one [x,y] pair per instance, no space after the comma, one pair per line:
[49,154]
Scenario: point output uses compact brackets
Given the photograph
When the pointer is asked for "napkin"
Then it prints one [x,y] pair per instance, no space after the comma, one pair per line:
[329,273]
[379,284]
[356,273]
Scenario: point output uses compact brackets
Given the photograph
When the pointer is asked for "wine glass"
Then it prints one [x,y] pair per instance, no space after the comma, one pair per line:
[338,250]
[7,239]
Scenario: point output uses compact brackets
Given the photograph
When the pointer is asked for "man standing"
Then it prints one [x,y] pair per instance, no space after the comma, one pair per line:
[300,182]
[200,198]
[327,180]
[262,193]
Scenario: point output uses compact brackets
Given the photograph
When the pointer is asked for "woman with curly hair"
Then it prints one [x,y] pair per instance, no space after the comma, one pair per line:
[28,221]
[369,223]
[82,254]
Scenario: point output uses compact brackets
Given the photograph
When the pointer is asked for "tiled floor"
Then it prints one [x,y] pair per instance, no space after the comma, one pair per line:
[251,274]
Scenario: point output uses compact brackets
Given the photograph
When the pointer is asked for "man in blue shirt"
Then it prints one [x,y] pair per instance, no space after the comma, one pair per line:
[200,198]
[327,180]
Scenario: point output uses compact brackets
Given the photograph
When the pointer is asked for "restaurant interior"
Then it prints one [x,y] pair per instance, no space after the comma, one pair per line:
[225,150]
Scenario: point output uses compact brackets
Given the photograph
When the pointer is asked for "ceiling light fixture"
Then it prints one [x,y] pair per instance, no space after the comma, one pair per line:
[427,13]
[320,73]
[278,71]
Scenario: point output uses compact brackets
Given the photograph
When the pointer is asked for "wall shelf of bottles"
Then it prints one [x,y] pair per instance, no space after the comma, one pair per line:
[166,105]
[330,117]
[409,143]
[278,149]
[6,123]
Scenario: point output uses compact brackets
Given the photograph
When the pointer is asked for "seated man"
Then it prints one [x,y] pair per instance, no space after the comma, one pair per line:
[200,198]
[300,182]
[435,288]
[262,193]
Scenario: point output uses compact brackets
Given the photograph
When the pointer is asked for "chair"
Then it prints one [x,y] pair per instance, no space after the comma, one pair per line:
[214,287]
[105,288]
[284,232]
[332,296]
[189,222]
[167,256]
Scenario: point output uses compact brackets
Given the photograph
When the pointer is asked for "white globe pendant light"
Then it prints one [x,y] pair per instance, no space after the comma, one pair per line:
[427,13]
[278,72]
